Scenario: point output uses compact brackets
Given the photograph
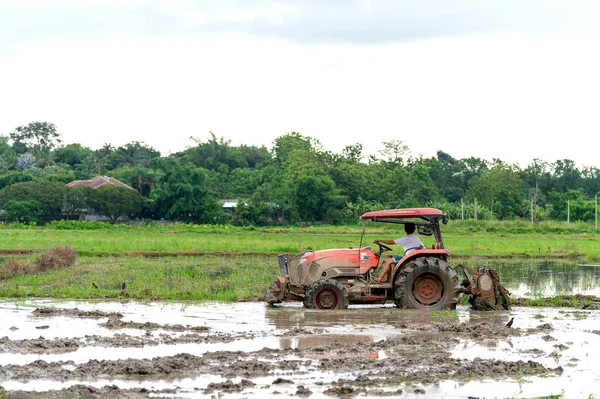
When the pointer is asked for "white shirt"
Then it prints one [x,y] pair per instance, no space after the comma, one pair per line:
[410,242]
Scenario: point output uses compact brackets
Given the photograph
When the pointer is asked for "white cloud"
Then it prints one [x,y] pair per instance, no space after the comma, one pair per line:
[512,96]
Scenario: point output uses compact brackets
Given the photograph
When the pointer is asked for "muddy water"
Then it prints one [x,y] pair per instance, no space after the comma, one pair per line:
[129,349]
[531,277]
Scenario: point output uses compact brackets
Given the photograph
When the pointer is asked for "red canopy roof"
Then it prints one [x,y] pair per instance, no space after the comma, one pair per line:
[406,213]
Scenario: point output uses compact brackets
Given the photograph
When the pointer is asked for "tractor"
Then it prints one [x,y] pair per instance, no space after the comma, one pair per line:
[421,279]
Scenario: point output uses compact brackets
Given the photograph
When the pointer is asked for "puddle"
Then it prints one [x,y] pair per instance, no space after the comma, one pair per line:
[529,277]
[249,349]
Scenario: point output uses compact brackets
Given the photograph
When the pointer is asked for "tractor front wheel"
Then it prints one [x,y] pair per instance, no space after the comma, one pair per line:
[427,283]
[326,294]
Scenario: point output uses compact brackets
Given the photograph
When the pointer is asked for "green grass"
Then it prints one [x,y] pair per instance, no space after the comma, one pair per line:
[276,240]
[203,262]
[223,278]
[569,301]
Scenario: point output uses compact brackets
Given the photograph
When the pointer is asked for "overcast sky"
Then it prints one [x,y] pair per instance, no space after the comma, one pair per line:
[508,79]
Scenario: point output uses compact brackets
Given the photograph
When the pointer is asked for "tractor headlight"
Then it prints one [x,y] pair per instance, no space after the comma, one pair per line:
[302,260]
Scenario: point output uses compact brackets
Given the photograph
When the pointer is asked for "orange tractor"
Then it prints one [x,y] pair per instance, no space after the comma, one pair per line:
[421,279]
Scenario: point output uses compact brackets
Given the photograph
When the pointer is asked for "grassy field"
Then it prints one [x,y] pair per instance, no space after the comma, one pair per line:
[226,263]
[174,277]
[460,240]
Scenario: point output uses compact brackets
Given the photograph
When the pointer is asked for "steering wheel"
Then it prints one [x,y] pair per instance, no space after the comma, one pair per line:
[382,248]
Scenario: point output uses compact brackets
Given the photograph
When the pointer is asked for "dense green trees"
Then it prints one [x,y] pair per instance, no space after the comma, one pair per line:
[182,192]
[116,202]
[298,180]
[49,195]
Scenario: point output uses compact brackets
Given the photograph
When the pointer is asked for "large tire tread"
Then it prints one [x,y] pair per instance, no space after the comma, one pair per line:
[330,285]
[440,268]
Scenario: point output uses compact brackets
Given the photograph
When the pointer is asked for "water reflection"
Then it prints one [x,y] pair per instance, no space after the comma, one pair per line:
[532,277]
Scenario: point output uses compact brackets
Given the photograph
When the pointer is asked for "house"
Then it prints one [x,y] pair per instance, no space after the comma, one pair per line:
[98,181]
[229,203]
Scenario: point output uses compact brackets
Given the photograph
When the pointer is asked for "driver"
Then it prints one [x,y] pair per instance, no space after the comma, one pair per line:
[410,242]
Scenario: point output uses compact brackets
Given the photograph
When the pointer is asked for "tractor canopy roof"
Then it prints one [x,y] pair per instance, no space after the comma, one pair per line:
[392,215]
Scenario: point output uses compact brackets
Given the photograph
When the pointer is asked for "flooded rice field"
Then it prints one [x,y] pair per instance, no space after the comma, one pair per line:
[137,350]
[76,349]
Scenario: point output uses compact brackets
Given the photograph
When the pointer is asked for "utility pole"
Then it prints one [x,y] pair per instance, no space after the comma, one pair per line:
[531,211]
[568,211]
[596,209]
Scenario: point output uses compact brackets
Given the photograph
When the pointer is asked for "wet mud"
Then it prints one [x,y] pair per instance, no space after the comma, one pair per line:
[374,352]
[82,314]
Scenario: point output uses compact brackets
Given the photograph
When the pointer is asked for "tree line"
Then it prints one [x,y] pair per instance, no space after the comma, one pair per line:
[295,181]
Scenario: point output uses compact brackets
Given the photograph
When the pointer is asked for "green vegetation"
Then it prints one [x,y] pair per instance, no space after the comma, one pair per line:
[221,262]
[296,181]
[226,278]
[89,238]
[570,301]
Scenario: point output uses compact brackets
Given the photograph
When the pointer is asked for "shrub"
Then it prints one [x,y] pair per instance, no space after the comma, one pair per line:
[56,258]
[15,267]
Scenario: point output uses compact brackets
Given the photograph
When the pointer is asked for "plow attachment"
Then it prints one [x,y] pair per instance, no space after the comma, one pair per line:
[484,289]
[277,291]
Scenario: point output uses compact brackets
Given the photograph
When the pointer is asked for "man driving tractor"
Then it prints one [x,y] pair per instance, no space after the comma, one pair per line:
[409,242]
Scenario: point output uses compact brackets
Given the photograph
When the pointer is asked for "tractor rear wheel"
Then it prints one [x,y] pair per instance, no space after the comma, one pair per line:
[427,283]
[326,294]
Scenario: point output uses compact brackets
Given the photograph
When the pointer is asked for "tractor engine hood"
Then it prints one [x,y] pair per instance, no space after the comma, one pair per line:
[343,259]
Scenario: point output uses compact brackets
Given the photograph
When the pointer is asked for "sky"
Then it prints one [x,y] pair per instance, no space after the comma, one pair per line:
[513,79]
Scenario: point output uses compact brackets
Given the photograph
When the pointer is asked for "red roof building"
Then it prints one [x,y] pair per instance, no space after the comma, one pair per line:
[98,181]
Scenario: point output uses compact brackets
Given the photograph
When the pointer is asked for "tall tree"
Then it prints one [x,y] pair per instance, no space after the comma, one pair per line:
[566,175]
[395,152]
[38,138]
[117,201]
[72,154]
[353,153]
[284,145]
[135,153]
[500,189]
[77,200]
[534,178]
[8,155]
[141,178]
[181,193]
[316,197]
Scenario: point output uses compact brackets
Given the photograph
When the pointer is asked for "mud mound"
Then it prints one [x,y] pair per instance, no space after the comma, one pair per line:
[473,330]
[226,364]
[115,324]
[64,345]
[39,345]
[432,369]
[82,314]
[87,392]
[229,386]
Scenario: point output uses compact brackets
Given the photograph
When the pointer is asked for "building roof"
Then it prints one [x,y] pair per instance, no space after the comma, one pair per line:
[229,203]
[97,182]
